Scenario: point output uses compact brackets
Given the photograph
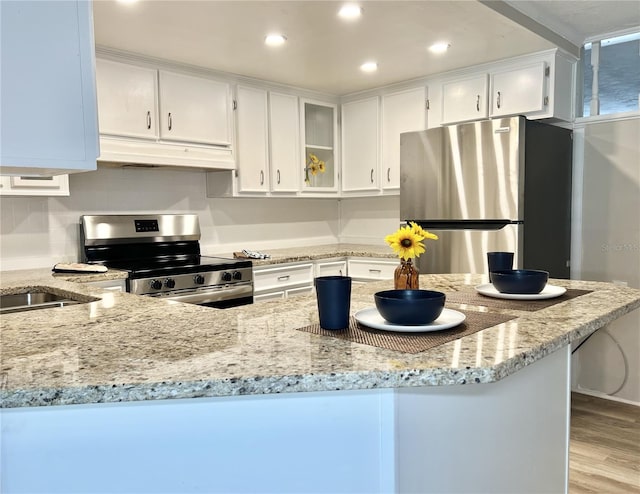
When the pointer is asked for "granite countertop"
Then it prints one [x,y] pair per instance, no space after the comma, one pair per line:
[301,254]
[123,347]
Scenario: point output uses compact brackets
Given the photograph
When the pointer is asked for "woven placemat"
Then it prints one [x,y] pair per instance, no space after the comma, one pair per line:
[470,296]
[411,342]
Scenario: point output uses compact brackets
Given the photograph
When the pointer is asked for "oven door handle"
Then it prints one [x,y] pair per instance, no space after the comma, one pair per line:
[216,295]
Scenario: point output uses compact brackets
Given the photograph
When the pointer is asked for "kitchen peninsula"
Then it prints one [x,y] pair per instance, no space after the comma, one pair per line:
[132,394]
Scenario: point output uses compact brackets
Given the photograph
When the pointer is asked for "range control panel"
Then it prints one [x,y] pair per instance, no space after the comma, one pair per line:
[190,281]
[146,226]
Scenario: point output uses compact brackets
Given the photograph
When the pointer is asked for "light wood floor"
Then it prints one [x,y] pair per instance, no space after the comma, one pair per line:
[604,447]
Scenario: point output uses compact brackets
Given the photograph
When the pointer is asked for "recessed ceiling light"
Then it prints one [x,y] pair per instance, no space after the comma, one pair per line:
[350,11]
[369,67]
[439,47]
[275,39]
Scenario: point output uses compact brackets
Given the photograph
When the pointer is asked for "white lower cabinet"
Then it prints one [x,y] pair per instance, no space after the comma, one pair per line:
[367,269]
[110,285]
[282,280]
[331,268]
[57,185]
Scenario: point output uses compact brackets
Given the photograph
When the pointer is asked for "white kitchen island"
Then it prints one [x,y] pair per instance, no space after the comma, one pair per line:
[131,394]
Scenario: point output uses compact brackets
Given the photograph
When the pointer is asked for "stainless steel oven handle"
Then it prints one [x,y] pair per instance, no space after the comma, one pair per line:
[207,296]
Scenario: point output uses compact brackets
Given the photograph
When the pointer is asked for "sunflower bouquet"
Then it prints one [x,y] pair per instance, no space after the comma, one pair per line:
[314,166]
[407,243]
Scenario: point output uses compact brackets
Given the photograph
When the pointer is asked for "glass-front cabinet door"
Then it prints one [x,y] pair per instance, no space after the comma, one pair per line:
[319,133]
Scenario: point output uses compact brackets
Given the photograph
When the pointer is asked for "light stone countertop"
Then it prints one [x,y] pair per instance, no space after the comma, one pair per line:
[123,347]
[317,252]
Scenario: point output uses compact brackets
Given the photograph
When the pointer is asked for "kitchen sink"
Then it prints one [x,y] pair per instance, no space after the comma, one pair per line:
[19,302]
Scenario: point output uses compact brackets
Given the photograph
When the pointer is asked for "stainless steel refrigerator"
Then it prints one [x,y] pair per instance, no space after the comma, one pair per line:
[501,184]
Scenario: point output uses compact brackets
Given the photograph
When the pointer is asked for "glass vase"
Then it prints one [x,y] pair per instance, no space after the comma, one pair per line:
[405,276]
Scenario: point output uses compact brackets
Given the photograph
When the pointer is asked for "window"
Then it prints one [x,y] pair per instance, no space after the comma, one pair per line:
[617,68]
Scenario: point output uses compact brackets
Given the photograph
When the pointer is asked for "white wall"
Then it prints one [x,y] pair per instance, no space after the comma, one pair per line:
[40,231]
[369,219]
[608,239]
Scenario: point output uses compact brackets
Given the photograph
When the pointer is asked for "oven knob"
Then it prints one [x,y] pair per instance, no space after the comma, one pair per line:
[155,284]
[226,276]
[169,282]
[237,275]
[198,279]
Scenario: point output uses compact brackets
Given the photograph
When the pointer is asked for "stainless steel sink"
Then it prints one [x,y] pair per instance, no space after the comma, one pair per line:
[19,302]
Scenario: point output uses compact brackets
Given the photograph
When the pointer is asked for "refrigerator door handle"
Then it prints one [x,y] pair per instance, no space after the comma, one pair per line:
[465,224]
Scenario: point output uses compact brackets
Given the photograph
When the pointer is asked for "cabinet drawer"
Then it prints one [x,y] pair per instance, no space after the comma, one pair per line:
[111,285]
[371,270]
[282,277]
[335,268]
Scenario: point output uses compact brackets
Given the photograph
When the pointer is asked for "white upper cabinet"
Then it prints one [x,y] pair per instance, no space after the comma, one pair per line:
[319,122]
[194,109]
[252,141]
[268,146]
[519,91]
[465,99]
[360,142]
[34,186]
[48,94]
[536,86]
[284,127]
[127,99]
[402,111]
[371,129]
[154,116]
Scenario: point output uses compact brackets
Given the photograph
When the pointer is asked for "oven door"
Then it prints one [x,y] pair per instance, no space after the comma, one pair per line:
[219,296]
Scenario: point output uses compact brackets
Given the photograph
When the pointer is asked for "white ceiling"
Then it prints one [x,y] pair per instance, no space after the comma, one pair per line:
[323,52]
[580,20]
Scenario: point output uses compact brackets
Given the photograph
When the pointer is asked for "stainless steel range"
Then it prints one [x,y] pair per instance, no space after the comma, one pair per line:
[161,252]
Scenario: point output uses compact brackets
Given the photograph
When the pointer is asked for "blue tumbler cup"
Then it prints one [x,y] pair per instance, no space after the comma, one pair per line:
[499,261]
[334,301]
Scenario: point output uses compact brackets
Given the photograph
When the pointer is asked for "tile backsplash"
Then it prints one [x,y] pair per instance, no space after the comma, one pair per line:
[40,231]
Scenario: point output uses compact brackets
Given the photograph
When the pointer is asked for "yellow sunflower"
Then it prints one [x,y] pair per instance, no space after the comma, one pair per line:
[406,243]
[422,232]
[313,158]
[321,166]
[313,168]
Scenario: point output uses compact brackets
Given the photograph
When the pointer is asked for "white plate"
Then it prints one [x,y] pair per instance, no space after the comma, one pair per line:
[371,317]
[549,291]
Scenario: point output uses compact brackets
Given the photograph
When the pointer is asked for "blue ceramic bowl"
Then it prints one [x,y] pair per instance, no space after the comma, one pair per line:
[409,307]
[519,281]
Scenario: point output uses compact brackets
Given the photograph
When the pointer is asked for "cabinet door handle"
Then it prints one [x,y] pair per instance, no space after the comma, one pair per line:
[388,174]
[375,270]
[284,278]
[170,121]
[498,101]
[261,177]
[278,175]
[478,103]
[148,120]
[372,175]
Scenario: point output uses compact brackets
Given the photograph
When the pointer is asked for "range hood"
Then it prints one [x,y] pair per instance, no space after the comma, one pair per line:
[117,151]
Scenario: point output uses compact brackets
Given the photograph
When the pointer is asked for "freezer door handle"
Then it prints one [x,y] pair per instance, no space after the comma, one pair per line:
[465,224]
